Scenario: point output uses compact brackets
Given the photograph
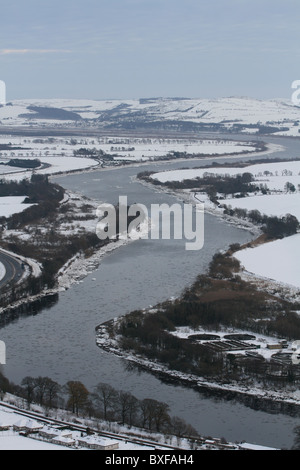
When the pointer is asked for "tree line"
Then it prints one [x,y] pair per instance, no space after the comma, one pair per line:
[272,226]
[211,183]
[238,186]
[51,248]
[102,402]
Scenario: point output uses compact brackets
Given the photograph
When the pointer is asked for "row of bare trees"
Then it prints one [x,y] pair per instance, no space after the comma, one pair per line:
[123,407]
[103,402]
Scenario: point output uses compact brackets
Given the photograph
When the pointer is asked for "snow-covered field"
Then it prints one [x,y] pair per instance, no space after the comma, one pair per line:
[278,260]
[69,439]
[271,205]
[8,169]
[58,153]
[56,165]
[144,149]
[11,440]
[130,149]
[10,205]
[274,175]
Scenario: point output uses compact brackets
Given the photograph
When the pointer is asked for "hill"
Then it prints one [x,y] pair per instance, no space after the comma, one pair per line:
[227,114]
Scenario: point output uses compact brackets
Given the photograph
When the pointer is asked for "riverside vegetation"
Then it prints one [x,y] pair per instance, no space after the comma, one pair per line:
[38,232]
[238,186]
[54,228]
[219,300]
[103,402]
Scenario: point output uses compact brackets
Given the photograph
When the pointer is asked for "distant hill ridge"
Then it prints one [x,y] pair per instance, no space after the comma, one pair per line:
[231,114]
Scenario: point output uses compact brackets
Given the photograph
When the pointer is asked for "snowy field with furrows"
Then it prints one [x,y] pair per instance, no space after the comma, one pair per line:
[227,111]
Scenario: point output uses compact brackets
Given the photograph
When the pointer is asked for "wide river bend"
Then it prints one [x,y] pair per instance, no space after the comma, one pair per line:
[59,341]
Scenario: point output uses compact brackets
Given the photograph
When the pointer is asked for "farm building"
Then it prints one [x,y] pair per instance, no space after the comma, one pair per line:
[4,426]
[48,433]
[27,425]
[98,443]
[64,440]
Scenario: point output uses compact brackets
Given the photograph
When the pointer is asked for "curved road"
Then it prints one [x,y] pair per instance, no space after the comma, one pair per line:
[13,269]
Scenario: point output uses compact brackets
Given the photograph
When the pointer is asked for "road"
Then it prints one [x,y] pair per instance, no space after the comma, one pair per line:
[13,269]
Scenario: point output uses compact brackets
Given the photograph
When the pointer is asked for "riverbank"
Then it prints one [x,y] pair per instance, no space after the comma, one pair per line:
[69,274]
[78,267]
[137,276]
[250,395]
[266,203]
[286,401]
[271,148]
[69,227]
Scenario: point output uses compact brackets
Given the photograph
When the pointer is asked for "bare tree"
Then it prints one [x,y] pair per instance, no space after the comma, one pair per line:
[105,396]
[128,405]
[41,387]
[52,391]
[29,384]
[182,429]
[154,413]
[132,410]
[77,396]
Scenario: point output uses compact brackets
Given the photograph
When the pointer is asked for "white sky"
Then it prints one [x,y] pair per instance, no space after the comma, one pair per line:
[101,49]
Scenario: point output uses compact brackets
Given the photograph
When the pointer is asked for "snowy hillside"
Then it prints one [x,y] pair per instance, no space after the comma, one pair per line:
[246,113]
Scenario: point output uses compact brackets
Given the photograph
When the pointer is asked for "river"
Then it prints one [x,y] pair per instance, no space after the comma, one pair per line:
[59,341]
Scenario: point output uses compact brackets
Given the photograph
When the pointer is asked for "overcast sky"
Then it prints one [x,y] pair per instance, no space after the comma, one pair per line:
[126,49]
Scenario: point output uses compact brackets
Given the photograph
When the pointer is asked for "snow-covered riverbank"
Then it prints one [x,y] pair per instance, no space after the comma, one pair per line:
[281,286]
[255,390]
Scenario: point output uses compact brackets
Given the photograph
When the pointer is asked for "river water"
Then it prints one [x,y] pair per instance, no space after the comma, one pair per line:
[59,341]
